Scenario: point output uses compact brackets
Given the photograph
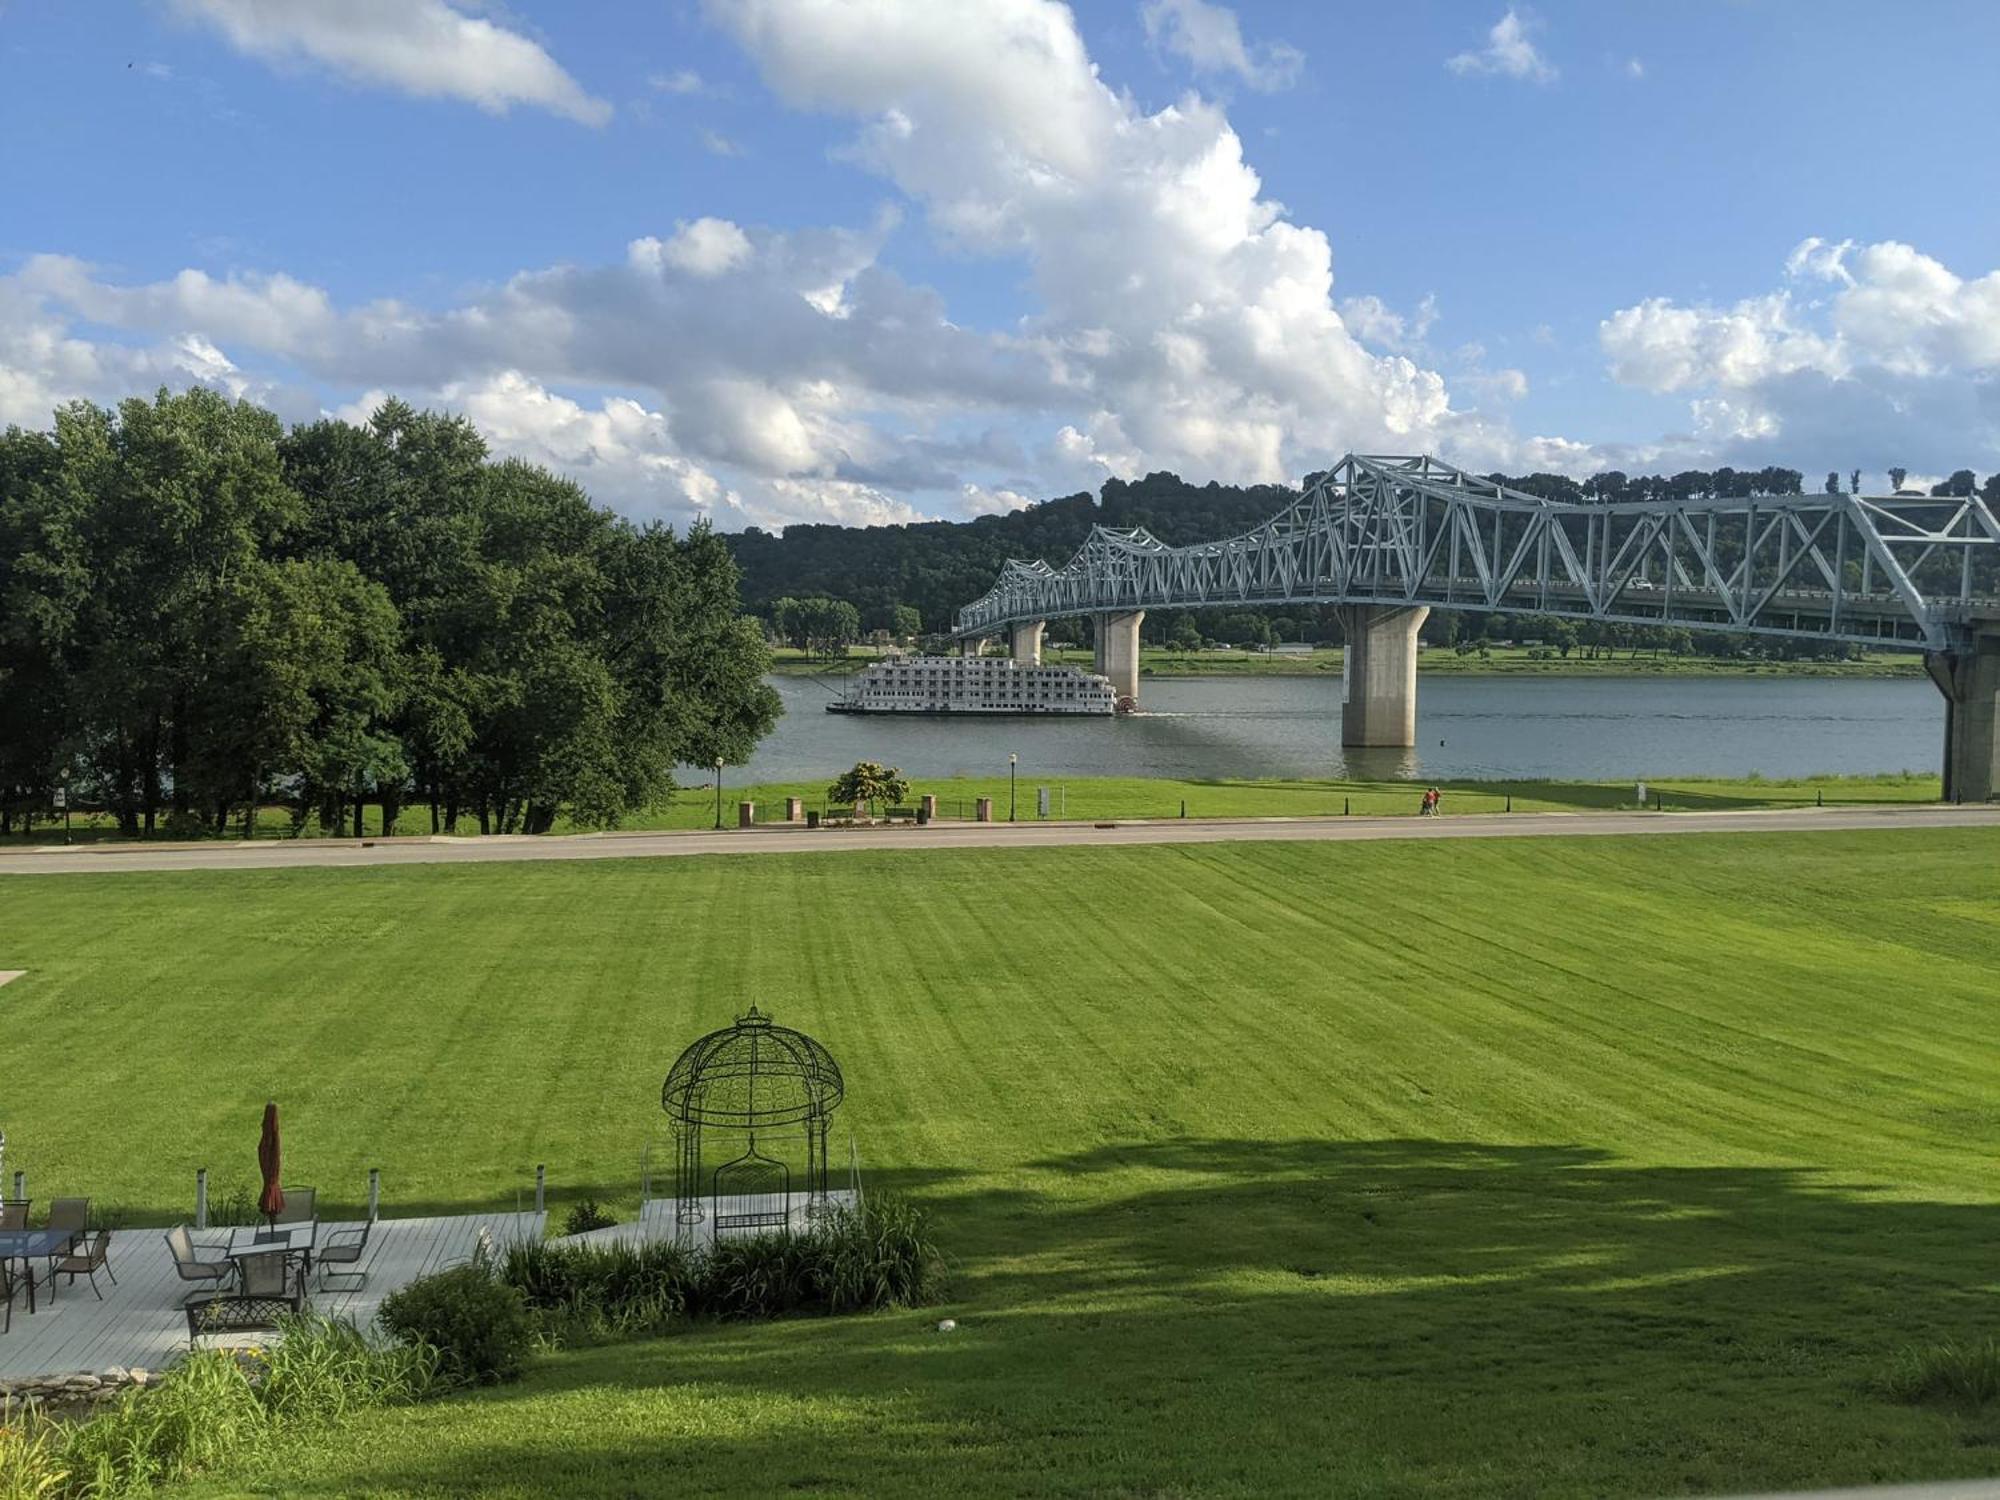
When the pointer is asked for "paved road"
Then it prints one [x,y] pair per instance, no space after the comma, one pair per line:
[781,839]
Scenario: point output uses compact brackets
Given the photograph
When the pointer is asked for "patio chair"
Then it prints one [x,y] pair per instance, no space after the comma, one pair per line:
[14,1213]
[269,1293]
[344,1247]
[71,1214]
[188,1264]
[7,1280]
[302,1207]
[87,1261]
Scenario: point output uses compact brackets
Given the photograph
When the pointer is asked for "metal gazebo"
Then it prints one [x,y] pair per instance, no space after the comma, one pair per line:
[751,1079]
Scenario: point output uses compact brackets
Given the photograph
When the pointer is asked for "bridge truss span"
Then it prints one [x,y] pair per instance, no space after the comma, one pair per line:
[1406,532]
[1387,539]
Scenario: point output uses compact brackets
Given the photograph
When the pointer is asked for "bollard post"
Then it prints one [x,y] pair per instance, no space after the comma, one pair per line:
[201,1198]
[1819,798]
[1184,807]
[1346,806]
[1510,802]
[541,1188]
[374,1194]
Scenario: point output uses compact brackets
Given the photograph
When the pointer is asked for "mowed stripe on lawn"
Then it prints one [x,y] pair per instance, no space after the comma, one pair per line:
[1543,1167]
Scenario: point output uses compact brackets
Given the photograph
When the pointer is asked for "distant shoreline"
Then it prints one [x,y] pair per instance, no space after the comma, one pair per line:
[1501,661]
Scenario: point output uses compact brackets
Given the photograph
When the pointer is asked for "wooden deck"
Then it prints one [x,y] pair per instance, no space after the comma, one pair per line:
[656,1220]
[139,1322]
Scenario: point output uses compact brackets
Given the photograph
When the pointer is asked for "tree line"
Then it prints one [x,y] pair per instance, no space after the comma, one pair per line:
[202,612]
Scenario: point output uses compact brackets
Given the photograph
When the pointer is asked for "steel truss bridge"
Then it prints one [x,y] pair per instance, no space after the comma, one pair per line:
[1411,531]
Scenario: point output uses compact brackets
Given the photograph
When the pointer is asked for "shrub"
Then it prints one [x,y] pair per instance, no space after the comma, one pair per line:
[852,1260]
[1949,1373]
[478,1325]
[585,1215]
[585,1292]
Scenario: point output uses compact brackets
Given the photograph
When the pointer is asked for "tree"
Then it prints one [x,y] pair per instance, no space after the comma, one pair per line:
[1832,482]
[1182,634]
[906,622]
[1854,483]
[1896,478]
[868,783]
[1960,485]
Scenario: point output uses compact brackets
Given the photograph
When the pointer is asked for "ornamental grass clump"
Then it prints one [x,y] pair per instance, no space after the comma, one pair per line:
[589,1293]
[1950,1374]
[213,1405]
[323,1368]
[204,1411]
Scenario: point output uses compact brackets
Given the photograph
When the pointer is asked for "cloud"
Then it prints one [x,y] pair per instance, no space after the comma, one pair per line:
[1865,349]
[680,81]
[1634,68]
[1187,321]
[1209,37]
[715,143]
[707,247]
[1178,318]
[423,47]
[1507,53]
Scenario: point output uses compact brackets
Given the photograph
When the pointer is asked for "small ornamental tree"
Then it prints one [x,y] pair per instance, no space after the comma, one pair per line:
[869,782]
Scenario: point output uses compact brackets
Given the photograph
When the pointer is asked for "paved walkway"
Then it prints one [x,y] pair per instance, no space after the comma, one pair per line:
[779,838]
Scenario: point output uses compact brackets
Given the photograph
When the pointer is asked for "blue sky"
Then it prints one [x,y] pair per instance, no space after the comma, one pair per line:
[780,260]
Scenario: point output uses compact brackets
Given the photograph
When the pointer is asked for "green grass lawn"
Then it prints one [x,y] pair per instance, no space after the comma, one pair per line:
[1099,797]
[1496,1168]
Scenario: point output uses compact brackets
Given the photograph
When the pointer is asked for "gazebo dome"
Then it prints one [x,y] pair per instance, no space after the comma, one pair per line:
[751,1076]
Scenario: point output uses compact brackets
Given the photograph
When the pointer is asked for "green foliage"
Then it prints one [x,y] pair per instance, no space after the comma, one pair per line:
[320,1369]
[851,1260]
[1950,1374]
[585,1215]
[818,626]
[477,1323]
[871,783]
[213,1405]
[199,611]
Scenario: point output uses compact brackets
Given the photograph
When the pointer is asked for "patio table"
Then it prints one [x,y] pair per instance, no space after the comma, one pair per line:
[30,1245]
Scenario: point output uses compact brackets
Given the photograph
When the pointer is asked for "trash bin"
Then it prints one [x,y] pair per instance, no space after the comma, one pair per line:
[812,817]
[923,814]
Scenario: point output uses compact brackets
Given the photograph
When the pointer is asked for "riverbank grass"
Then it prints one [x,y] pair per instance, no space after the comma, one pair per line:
[1542,1167]
[1096,798]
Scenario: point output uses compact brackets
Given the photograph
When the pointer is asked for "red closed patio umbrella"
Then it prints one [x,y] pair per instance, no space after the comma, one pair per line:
[271,1202]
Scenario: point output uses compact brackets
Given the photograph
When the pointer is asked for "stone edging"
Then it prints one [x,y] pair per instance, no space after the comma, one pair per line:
[80,1385]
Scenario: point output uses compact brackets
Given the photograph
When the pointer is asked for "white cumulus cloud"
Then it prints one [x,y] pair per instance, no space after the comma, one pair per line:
[423,47]
[1508,53]
[1864,348]
[1210,38]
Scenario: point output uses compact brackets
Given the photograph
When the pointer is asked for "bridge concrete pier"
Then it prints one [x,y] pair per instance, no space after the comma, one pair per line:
[1970,682]
[972,645]
[1378,704]
[1025,642]
[1117,653]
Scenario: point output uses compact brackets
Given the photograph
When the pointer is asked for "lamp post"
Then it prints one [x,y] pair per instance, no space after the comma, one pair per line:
[718,794]
[1011,759]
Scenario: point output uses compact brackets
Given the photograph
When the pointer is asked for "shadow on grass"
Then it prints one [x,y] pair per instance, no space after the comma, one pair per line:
[1392,1317]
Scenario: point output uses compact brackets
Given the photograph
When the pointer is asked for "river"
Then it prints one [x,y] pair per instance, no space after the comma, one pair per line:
[1584,728]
